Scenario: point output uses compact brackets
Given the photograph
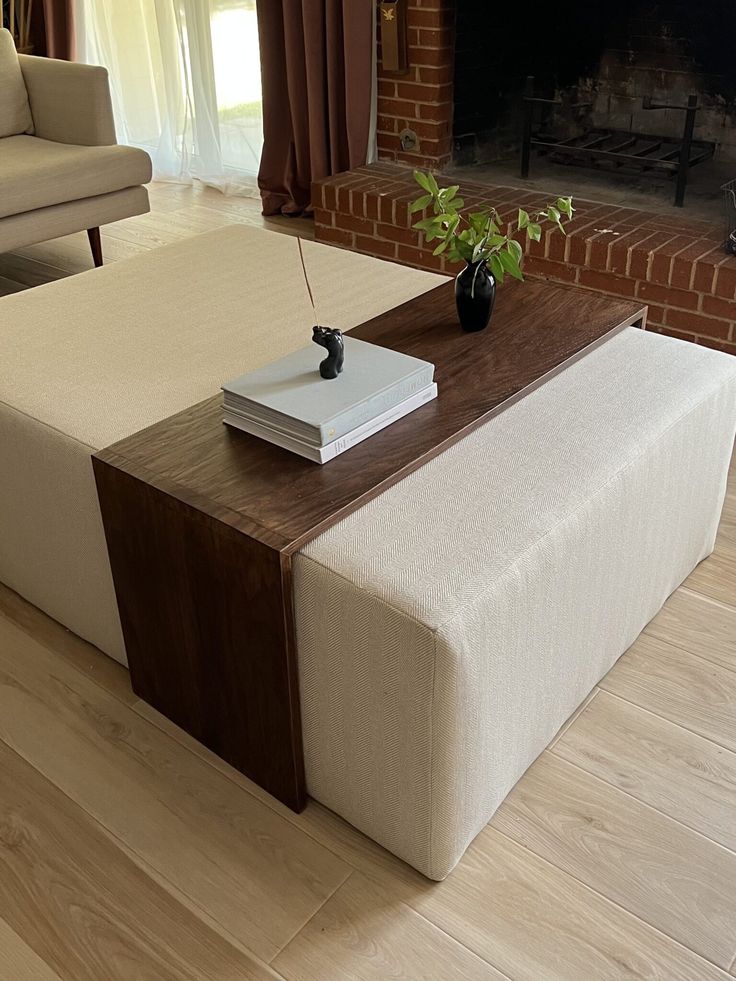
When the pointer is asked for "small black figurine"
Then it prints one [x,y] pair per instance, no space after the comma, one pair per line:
[332,340]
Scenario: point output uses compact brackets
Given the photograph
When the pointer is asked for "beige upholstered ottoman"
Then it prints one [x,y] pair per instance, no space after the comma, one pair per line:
[448,628]
[89,360]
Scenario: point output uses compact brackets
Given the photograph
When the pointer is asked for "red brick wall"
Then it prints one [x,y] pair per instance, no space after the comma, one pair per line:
[674,264]
[421,100]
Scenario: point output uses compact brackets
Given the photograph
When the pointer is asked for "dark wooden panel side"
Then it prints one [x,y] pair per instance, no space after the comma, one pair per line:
[208,623]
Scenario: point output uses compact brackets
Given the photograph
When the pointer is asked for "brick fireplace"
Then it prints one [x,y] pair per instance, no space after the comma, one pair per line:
[674,263]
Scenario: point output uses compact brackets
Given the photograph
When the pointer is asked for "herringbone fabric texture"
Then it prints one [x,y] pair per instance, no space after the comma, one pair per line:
[448,628]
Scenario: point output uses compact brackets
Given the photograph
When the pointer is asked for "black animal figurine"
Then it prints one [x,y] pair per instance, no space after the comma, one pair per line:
[332,340]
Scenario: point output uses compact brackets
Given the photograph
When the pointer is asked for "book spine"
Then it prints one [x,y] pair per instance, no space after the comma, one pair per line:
[375,406]
[278,439]
[343,443]
[347,441]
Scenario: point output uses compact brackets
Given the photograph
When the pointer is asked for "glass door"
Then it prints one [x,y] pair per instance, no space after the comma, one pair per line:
[186,83]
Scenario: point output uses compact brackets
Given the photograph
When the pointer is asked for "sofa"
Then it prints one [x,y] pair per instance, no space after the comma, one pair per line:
[61,170]
[448,628]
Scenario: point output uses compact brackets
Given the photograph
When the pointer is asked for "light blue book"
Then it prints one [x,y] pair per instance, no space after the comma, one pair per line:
[290,397]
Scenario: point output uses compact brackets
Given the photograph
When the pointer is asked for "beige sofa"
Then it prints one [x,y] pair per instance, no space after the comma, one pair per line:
[448,628]
[61,170]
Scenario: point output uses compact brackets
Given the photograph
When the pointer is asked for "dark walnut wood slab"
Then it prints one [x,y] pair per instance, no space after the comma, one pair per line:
[282,500]
[202,521]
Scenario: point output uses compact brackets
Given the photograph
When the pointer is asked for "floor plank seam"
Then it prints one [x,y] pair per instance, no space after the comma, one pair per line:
[266,800]
[607,899]
[68,661]
[665,718]
[651,807]
[182,898]
[309,919]
[705,599]
[686,650]
[460,943]
[574,717]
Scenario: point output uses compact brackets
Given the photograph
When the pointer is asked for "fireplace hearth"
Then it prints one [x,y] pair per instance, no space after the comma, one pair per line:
[457,109]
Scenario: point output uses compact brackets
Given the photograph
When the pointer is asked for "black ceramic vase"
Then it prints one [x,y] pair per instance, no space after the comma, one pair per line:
[475,293]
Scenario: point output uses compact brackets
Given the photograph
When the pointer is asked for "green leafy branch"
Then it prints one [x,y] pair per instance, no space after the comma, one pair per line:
[481,236]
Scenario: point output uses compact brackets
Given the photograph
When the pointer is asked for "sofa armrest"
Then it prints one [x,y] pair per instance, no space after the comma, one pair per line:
[70,102]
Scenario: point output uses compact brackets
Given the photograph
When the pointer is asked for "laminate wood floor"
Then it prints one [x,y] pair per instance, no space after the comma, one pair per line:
[128,852]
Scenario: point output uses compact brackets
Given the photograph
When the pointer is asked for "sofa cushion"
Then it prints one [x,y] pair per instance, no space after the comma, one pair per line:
[36,173]
[15,111]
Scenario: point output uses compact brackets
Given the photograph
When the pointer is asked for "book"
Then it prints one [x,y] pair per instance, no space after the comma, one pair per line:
[321,454]
[290,397]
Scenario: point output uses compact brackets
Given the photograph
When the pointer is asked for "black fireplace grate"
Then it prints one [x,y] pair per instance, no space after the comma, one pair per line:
[620,149]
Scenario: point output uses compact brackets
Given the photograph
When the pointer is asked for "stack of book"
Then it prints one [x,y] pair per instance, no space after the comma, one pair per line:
[288,403]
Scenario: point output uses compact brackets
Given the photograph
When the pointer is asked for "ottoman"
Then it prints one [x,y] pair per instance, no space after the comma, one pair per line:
[447,629]
[91,359]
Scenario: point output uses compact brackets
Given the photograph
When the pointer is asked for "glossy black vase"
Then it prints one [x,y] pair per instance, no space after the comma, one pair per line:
[475,293]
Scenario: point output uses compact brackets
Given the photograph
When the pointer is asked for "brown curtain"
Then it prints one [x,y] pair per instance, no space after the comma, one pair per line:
[59,18]
[316,64]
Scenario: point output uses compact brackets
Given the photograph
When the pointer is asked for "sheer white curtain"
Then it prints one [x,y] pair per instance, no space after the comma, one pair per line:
[186,84]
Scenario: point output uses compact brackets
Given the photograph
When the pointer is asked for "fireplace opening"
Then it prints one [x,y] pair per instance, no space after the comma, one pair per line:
[627,70]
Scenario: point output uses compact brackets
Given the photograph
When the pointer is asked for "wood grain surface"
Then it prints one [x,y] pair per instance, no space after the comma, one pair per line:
[340,942]
[535,922]
[698,624]
[282,500]
[622,848]
[694,692]
[209,630]
[18,962]
[85,909]
[680,774]
[249,871]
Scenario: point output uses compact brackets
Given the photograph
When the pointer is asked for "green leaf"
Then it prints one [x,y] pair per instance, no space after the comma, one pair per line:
[434,187]
[565,206]
[510,265]
[523,220]
[425,224]
[450,192]
[554,215]
[496,267]
[515,250]
[458,203]
[441,248]
[534,231]
[423,181]
[420,204]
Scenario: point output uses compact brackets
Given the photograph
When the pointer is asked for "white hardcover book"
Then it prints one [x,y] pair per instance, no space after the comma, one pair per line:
[322,454]
[290,397]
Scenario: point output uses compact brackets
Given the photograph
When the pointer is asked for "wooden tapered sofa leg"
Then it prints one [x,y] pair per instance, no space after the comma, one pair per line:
[95,243]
